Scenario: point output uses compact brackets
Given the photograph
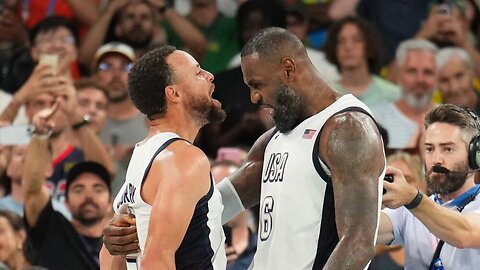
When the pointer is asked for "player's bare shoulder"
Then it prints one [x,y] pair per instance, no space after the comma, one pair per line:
[182,160]
[352,140]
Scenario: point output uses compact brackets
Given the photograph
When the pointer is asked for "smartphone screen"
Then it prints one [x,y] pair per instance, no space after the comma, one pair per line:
[14,135]
[49,59]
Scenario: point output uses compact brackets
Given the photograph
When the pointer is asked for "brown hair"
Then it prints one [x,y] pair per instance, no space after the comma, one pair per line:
[373,49]
[90,83]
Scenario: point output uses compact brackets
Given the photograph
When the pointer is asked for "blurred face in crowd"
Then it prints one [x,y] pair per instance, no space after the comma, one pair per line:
[297,26]
[93,102]
[351,47]
[410,175]
[58,41]
[112,71]
[44,101]
[136,24]
[11,242]
[15,165]
[417,78]
[88,199]
[445,147]
[254,22]
[455,82]
[201,3]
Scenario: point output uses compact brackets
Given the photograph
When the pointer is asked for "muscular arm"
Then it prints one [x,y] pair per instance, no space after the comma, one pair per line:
[248,178]
[183,176]
[352,149]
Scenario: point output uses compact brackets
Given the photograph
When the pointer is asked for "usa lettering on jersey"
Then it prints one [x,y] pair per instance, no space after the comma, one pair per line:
[128,195]
[275,168]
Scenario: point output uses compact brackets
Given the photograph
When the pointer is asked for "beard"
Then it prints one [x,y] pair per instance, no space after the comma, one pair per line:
[87,219]
[116,94]
[415,101]
[447,183]
[204,111]
[288,109]
[138,38]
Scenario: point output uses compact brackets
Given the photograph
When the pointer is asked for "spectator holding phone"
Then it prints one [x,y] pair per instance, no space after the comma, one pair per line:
[448,25]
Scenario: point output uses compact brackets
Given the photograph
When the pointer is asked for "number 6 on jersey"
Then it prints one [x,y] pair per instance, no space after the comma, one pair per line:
[266,221]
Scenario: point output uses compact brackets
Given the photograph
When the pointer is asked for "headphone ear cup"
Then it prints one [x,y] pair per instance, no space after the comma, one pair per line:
[474,153]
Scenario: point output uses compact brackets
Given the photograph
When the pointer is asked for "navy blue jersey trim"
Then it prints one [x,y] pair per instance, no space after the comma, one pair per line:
[328,238]
[160,149]
[209,194]
[316,153]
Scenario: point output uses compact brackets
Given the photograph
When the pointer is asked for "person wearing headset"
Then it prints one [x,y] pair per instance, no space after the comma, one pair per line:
[440,232]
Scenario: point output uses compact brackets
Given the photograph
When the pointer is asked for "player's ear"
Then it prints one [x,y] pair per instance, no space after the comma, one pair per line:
[172,93]
[289,68]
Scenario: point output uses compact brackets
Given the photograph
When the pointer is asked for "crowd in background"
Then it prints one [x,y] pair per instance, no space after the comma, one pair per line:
[399,57]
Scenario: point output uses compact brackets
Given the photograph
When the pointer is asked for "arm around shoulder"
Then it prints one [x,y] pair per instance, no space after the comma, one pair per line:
[247,179]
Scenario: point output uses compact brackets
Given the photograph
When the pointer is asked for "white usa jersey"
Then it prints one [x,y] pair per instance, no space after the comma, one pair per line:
[297,229]
[203,244]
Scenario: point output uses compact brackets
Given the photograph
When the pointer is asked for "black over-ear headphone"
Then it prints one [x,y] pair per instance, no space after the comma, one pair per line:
[474,146]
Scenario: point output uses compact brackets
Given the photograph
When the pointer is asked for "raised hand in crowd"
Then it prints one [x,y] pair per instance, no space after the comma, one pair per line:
[42,80]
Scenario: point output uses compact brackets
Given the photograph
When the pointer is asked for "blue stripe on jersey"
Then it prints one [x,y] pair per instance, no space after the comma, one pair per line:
[328,238]
[195,251]
[160,149]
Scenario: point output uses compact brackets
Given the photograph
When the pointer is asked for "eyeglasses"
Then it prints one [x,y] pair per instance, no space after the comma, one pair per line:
[70,40]
[107,67]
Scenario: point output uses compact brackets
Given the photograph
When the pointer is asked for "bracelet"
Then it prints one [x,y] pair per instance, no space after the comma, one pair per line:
[415,202]
[85,121]
[34,133]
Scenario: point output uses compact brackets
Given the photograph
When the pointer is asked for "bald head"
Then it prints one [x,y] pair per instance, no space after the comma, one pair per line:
[275,43]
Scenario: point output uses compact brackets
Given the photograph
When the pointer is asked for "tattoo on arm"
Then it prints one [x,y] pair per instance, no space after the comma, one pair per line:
[353,150]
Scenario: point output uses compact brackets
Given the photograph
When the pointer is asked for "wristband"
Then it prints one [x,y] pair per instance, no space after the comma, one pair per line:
[415,202]
[35,133]
[230,199]
[85,121]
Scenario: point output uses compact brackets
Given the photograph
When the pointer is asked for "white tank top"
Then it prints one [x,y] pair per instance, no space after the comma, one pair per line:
[203,244]
[297,227]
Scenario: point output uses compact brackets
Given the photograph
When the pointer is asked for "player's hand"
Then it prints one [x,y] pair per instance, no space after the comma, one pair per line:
[231,254]
[120,235]
[399,192]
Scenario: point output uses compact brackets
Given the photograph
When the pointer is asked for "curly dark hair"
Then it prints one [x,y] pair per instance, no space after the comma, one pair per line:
[147,80]
[373,49]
